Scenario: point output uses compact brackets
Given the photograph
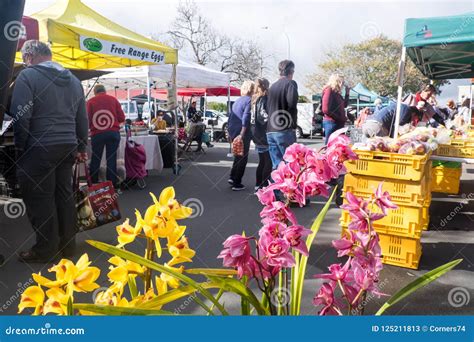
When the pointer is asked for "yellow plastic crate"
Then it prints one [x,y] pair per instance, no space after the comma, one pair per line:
[463,148]
[390,165]
[402,192]
[398,251]
[445,180]
[404,221]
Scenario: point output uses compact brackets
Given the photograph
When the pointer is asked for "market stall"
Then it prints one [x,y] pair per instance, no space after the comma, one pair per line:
[81,38]
[420,160]
[441,48]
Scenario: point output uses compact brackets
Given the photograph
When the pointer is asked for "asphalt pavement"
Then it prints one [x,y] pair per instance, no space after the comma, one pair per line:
[221,212]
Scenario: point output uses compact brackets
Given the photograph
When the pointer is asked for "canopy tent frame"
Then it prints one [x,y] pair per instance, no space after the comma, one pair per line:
[451,43]
[81,38]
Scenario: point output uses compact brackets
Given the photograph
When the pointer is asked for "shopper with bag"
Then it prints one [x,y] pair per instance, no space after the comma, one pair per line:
[105,117]
[334,105]
[50,133]
[258,125]
[240,135]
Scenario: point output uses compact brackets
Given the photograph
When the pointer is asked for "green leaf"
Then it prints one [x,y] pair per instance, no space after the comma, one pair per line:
[297,291]
[244,303]
[119,310]
[70,309]
[175,294]
[160,268]
[132,286]
[212,271]
[235,286]
[417,284]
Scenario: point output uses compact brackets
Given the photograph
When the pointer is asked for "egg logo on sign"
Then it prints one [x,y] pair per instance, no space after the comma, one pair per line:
[92,44]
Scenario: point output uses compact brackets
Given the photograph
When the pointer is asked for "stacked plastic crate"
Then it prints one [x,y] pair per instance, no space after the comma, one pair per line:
[407,179]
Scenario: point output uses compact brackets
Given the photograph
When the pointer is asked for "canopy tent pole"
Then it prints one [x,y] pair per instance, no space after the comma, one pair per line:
[400,81]
[148,96]
[470,103]
[176,167]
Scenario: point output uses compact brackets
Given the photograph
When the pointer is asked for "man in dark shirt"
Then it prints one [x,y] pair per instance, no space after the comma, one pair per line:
[282,112]
[49,110]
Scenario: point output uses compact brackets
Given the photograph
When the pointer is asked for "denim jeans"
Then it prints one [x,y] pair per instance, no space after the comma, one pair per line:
[110,141]
[278,142]
[329,128]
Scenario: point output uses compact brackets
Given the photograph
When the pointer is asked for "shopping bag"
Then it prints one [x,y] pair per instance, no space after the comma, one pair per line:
[238,147]
[96,204]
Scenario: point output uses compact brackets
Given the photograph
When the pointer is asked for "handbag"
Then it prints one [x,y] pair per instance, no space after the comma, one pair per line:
[96,204]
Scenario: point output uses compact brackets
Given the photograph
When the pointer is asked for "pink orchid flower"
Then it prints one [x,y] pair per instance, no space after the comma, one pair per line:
[277,211]
[383,200]
[236,253]
[276,252]
[326,298]
[294,235]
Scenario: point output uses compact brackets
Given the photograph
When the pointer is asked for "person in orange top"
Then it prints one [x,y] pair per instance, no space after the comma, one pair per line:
[105,117]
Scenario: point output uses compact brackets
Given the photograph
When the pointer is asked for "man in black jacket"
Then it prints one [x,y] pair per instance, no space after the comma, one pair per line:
[50,127]
[282,112]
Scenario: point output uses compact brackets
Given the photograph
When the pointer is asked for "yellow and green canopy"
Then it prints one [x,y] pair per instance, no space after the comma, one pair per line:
[81,38]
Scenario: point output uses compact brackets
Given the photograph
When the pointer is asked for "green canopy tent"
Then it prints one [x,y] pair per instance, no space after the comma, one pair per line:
[440,47]
[359,95]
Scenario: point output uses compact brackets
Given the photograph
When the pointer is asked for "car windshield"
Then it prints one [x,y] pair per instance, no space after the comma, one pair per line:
[129,107]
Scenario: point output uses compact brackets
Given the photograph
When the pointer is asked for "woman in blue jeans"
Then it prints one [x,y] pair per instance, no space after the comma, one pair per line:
[333,105]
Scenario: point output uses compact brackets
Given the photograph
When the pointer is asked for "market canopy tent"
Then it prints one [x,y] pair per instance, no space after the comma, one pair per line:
[188,75]
[81,38]
[364,95]
[442,47]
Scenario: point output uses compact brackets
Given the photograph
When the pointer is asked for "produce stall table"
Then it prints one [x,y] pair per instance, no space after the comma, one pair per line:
[151,143]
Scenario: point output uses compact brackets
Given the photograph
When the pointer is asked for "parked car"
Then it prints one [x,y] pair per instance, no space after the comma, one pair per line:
[305,120]
[130,109]
[217,122]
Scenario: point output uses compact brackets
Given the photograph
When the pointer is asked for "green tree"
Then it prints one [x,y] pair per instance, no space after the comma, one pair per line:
[373,62]
[220,107]
[303,99]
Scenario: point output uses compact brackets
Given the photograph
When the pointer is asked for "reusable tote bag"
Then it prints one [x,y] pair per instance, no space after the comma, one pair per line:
[96,204]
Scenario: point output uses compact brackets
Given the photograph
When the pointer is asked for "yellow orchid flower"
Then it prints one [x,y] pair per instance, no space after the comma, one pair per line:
[170,280]
[32,297]
[139,300]
[56,302]
[180,252]
[127,233]
[169,206]
[123,269]
[176,234]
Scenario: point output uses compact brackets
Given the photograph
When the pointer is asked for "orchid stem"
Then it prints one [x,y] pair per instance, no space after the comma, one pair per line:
[149,256]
